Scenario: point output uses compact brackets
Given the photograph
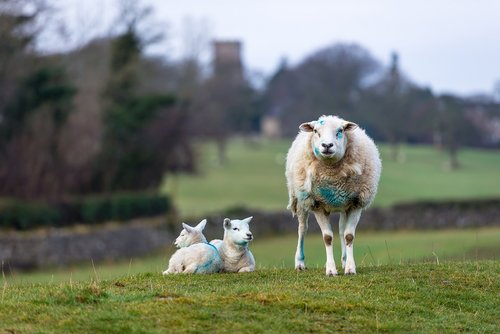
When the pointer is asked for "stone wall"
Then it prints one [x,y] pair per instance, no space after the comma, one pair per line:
[55,247]
[58,247]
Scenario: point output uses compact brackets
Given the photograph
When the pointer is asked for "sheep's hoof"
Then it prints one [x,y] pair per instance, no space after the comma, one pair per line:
[350,271]
[331,272]
[166,272]
[300,267]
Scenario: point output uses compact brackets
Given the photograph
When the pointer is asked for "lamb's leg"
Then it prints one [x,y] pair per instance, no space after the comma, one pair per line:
[299,254]
[190,269]
[326,230]
[342,225]
[349,233]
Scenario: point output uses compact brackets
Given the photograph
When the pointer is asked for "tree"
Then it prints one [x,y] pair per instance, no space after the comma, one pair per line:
[454,127]
[133,152]
[329,81]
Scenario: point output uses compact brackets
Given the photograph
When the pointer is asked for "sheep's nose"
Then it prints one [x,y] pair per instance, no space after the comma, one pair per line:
[327,146]
[249,235]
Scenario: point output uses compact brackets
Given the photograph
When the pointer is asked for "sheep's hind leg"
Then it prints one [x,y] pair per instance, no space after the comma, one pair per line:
[302,230]
[349,233]
[326,230]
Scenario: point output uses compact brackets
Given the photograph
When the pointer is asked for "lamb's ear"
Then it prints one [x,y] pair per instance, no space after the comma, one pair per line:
[307,127]
[247,220]
[349,126]
[227,223]
[188,228]
[201,225]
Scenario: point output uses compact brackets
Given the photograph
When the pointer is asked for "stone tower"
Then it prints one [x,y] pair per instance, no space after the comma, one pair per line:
[227,61]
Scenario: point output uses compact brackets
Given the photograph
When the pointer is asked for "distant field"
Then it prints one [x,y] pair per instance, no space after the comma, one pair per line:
[371,249]
[254,176]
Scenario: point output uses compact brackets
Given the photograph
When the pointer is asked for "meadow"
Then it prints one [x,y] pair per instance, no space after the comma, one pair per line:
[413,298]
[253,176]
[408,281]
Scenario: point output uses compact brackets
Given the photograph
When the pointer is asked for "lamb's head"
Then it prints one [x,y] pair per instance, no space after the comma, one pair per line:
[237,231]
[191,235]
[328,138]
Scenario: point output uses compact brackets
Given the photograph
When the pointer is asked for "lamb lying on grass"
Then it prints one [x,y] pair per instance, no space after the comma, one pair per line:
[195,255]
[331,166]
[233,249]
[191,235]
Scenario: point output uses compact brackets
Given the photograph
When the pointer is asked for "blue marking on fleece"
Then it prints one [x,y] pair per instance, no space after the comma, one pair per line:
[207,266]
[339,134]
[316,152]
[334,197]
[321,122]
[303,195]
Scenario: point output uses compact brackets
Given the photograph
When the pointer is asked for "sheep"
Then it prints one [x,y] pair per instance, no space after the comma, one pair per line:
[195,254]
[234,247]
[331,166]
[201,258]
[191,235]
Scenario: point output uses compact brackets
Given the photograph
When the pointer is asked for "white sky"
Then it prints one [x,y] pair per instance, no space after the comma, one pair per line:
[449,45]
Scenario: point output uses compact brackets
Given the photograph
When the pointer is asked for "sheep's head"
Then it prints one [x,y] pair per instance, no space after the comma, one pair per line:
[191,235]
[329,140]
[238,231]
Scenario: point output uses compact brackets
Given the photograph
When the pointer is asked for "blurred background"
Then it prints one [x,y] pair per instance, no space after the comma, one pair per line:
[119,119]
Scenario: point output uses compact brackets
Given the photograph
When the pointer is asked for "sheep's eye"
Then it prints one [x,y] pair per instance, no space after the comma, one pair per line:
[235,229]
[339,133]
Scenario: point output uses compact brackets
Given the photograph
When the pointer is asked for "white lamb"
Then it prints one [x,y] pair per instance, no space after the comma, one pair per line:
[191,235]
[331,166]
[234,247]
[195,255]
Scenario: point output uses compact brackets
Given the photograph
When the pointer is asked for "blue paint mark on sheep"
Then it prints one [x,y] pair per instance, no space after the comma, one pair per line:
[301,256]
[334,197]
[316,151]
[321,122]
[303,195]
[339,134]
[208,266]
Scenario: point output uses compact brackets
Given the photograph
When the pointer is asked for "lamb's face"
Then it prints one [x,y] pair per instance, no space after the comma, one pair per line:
[328,141]
[190,235]
[238,231]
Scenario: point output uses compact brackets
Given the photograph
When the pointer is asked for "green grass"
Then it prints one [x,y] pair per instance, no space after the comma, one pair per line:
[371,249]
[426,298]
[254,176]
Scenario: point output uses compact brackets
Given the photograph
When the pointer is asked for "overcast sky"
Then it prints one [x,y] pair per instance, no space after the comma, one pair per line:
[449,45]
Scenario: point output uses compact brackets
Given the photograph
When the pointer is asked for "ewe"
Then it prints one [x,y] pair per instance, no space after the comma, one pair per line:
[331,166]
[234,247]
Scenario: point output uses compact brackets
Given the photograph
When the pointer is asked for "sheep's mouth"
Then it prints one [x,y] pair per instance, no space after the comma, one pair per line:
[248,239]
[327,153]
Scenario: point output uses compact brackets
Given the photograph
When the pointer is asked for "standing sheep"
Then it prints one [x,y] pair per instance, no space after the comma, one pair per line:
[234,247]
[332,166]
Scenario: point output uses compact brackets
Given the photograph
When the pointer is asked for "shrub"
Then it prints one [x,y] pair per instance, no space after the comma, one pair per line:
[22,215]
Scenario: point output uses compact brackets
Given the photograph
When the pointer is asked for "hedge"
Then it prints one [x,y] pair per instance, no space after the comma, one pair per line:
[23,215]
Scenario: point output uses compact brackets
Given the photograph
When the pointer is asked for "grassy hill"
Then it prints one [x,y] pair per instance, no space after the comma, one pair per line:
[254,176]
[430,298]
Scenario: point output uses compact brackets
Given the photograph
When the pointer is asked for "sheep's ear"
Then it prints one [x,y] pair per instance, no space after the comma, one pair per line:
[227,223]
[349,126]
[247,220]
[188,228]
[307,127]
[201,225]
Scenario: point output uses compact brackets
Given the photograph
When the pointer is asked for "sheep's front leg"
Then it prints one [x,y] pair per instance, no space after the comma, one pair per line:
[342,225]
[326,230]
[349,233]
[299,254]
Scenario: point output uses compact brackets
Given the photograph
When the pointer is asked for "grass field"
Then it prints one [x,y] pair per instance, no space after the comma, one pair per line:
[416,298]
[254,176]
[371,249]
